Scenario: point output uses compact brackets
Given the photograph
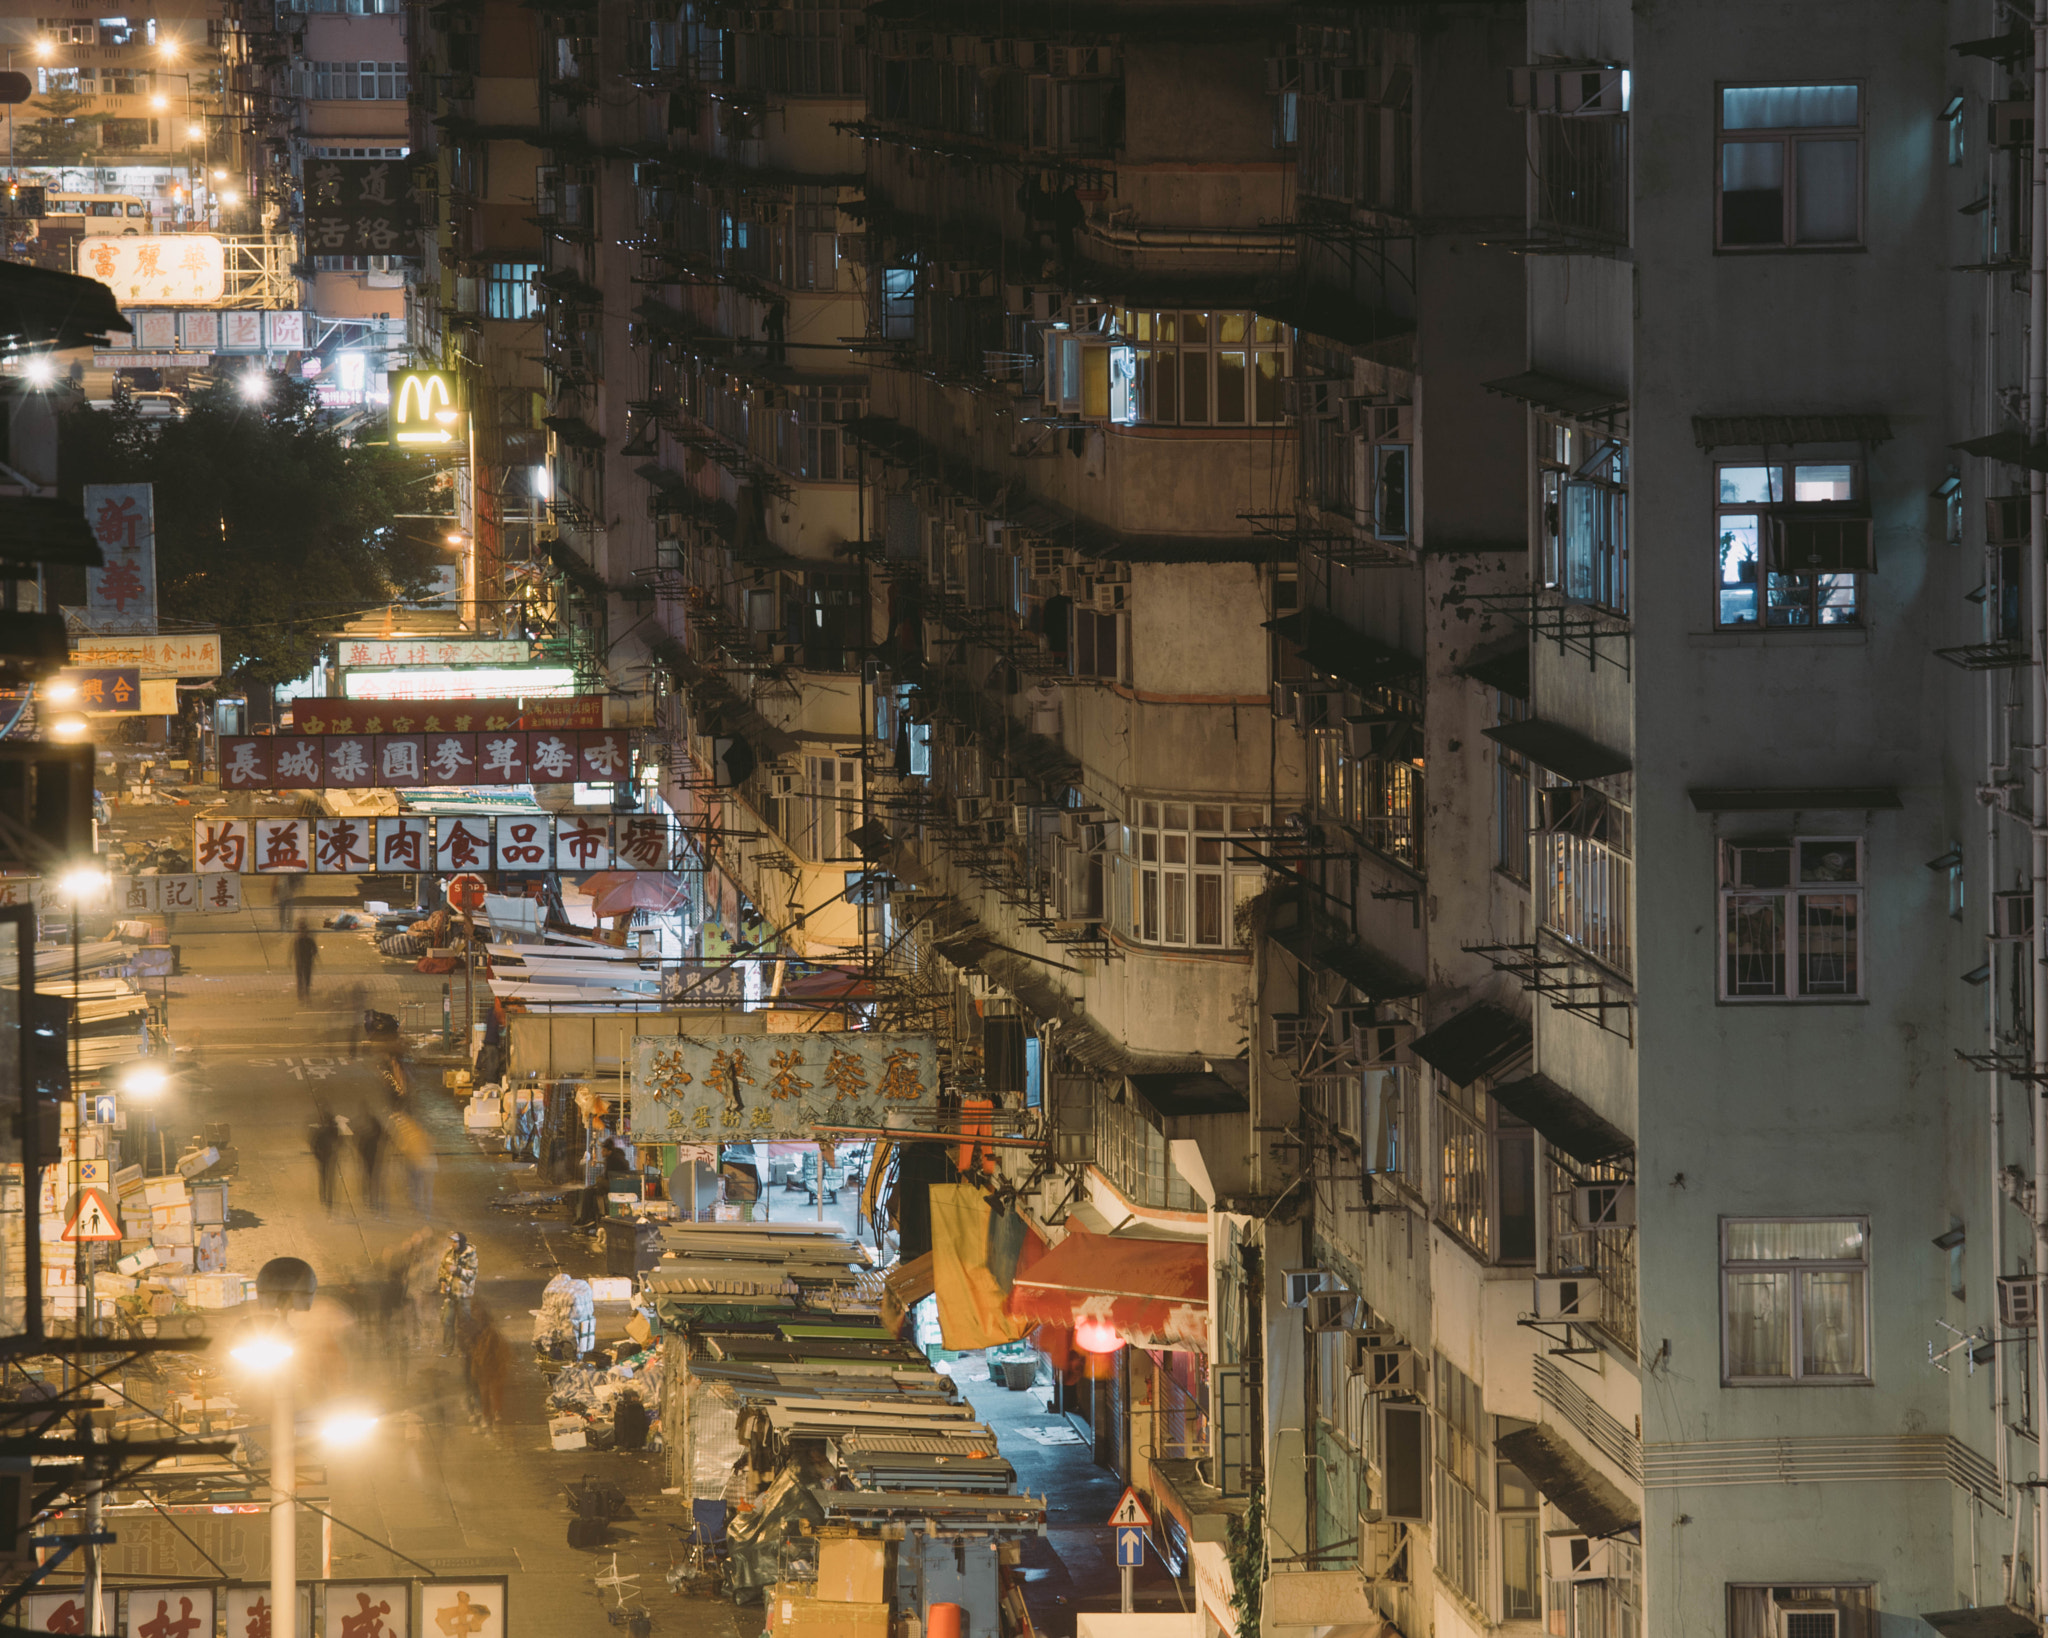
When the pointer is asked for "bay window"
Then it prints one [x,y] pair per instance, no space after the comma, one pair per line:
[1177,880]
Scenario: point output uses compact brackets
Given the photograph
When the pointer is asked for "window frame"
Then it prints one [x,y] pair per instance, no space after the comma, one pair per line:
[1781,460]
[509,284]
[1788,137]
[1140,883]
[1796,1267]
[1572,458]
[1514,797]
[1791,990]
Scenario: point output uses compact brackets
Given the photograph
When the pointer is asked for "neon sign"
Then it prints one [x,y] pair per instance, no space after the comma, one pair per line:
[423,408]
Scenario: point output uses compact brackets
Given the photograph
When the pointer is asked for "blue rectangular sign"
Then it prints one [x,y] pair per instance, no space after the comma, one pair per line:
[1130,1546]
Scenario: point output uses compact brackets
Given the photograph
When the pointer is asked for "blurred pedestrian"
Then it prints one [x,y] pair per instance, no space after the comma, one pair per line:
[489,1362]
[305,951]
[455,1281]
[353,1002]
[285,894]
[370,1137]
[412,1142]
[326,1143]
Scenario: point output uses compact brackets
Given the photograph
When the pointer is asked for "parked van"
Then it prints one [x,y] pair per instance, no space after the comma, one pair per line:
[98,212]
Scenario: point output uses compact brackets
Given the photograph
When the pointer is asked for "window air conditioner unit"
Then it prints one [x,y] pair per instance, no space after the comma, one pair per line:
[1573,1557]
[1302,1283]
[2012,124]
[2007,520]
[1283,699]
[1577,1298]
[2012,915]
[1382,1548]
[1108,596]
[1806,1618]
[1386,1369]
[1289,1034]
[1593,89]
[1331,1310]
[2016,1302]
[967,810]
[1604,1205]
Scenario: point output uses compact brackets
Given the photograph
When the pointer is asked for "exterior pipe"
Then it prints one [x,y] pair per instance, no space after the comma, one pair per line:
[2037,563]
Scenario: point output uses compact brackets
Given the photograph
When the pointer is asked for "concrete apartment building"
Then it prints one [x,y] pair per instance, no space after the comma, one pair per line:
[1391,593]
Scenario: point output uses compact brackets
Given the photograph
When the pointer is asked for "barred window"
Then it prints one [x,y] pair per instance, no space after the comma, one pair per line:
[1512,786]
[1586,851]
[1368,777]
[1462,1482]
[1792,919]
[509,292]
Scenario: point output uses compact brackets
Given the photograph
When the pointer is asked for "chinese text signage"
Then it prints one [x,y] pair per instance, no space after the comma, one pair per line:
[749,1087]
[121,594]
[335,716]
[411,844]
[191,654]
[359,207]
[170,270]
[397,651]
[401,760]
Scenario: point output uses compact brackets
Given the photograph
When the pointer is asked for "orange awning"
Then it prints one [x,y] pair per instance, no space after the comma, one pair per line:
[1153,1293]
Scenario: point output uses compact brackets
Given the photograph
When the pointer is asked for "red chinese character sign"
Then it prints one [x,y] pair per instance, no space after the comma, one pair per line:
[62,1612]
[583,842]
[170,1612]
[363,1609]
[462,1609]
[121,594]
[523,843]
[780,1087]
[223,845]
[645,842]
[220,895]
[343,846]
[248,1612]
[282,846]
[403,845]
[462,844]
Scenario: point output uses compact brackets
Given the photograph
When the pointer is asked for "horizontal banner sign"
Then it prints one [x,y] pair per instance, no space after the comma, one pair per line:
[401,761]
[111,690]
[169,270]
[414,844]
[219,893]
[336,716]
[192,654]
[756,1087]
[355,651]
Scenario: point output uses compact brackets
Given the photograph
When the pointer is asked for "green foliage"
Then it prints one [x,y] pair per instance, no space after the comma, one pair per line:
[1248,1560]
[60,136]
[267,524]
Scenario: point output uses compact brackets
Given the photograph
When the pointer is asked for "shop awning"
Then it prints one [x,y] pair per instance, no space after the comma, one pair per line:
[1564,751]
[1481,1040]
[1991,1621]
[1569,1481]
[1565,1120]
[1153,1293]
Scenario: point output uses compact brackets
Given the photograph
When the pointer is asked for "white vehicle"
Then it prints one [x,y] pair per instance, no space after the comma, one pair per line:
[98,212]
[151,406]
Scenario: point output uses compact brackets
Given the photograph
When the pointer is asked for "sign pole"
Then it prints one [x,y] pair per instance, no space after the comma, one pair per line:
[1127,1589]
[468,978]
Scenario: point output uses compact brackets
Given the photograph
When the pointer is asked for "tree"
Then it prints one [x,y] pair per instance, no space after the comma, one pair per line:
[61,136]
[267,524]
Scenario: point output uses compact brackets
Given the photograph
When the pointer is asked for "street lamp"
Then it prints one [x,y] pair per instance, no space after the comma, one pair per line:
[282,1284]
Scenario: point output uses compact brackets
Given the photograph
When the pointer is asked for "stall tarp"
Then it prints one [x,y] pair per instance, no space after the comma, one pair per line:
[1154,1293]
[903,1288]
[971,1311]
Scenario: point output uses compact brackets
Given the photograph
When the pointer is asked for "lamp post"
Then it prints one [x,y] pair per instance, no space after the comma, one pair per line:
[282,1284]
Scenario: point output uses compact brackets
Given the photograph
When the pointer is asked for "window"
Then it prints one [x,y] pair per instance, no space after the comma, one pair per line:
[1385,481]
[1177,880]
[807,432]
[1130,1150]
[1463,1480]
[1799,568]
[1357,135]
[1587,849]
[1794,1300]
[1791,167]
[831,806]
[350,82]
[66,31]
[1095,646]
[1582,176]
[1792,919]
[1952,117]
[509,292]
[1519,1507]
[1486,1178]
[361,264]
[1511,792]
[1583,477]
[1170,369]
[1368,776]
[1753,1611]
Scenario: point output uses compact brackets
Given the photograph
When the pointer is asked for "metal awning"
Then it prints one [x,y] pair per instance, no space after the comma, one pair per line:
[1992,1621]
[1173,1096]
[1791,798]
[1569,1481]
[1721,431]
[1506,669]
[33,530]
[574,430]
[1565,1120]
[2010,446]
[1481,1040]
[1541,390]
[1998,48]
[40,307]
[1338,650]
[1564,751]
[1155,1293]
[1374,976]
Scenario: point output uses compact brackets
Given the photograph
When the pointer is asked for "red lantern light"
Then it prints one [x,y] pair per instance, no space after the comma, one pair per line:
[1096,1336]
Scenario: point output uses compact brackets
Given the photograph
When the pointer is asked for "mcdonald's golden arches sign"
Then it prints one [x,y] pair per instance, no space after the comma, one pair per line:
[424,412]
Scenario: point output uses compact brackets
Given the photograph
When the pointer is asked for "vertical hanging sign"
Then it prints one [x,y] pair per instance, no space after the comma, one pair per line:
[121,595]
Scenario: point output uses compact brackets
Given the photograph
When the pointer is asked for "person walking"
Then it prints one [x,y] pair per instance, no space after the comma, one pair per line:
[417,1147]
[305,951]
[456,1283]
[370,1137]
[489,1363]
[326,1143]
[285,894]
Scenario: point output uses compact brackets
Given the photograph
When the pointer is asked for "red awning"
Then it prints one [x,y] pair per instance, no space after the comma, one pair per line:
[1154,1293]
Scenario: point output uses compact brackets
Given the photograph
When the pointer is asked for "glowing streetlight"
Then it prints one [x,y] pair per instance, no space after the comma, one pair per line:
[170,50]
[345,1430]
[159,102]
[454,539]
[195,132]
[45,49]
[230,197]
[61,692]
[69,726]
[263,1353]
[220,176]
[40,371]
[254,386]
[144,1079]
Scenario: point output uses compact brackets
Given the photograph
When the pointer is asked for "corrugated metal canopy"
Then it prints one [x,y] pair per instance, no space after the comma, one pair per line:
[1481,1040]
[1374,976]
[1506,669]
[1565,1120]
[1562,750]
[1541,390]
[1339,650]
[1992,1621]
[1569,1481]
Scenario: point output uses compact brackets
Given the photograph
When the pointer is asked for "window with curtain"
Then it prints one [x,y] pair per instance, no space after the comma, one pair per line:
[1754,1611]
[1792,919]
[1790,167]
[1794,1301]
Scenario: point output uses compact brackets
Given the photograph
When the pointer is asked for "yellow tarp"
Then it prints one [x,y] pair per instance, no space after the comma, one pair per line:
[971,1304]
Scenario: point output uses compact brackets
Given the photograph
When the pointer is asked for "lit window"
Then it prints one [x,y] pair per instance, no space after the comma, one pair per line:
[1792,919]
[1790,167]
[1794,1300]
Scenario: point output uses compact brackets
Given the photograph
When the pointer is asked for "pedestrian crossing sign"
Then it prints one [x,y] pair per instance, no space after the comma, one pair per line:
[92,1218]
